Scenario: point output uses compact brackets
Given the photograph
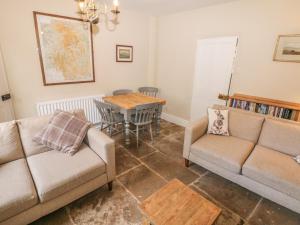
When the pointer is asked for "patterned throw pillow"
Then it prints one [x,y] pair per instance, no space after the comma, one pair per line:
[64,132]
[218,122]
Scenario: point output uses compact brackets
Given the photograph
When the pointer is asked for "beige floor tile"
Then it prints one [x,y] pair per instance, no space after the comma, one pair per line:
[168,168]
[233,196]
[141,182]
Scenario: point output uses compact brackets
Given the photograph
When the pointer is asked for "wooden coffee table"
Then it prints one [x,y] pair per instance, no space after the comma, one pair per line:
[177,204]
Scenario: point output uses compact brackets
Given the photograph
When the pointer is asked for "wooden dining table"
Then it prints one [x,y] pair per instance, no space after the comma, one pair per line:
[128,103]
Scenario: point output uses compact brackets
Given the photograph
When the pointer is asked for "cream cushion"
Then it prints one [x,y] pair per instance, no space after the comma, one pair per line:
[226,151]
[55,173]
[274,169]
[28,129]
[65,132]
[281,136]
[217,122]
[245,125]
[10,144]
[17,191]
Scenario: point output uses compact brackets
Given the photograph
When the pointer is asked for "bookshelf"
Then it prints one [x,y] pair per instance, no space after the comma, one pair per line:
[272,107]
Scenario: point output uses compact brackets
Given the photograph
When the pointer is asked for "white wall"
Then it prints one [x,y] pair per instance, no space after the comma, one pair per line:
[152,57]
[18,43]
[256,22]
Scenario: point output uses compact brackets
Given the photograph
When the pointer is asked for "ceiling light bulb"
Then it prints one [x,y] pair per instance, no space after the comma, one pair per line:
[116,3]
[81,6]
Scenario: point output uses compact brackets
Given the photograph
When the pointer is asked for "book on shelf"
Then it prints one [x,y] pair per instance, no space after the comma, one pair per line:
[266,106]
[293,115]
[271,110]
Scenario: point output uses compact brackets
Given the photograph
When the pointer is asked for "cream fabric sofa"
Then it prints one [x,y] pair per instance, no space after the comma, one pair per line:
[257,155]
[35,181]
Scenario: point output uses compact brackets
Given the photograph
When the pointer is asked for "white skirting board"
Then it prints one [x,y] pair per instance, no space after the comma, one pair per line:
[175,119]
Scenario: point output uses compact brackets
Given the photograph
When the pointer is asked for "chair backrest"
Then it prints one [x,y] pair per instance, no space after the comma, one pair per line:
[149,91]
[106,111]
[144,113]
[122,92]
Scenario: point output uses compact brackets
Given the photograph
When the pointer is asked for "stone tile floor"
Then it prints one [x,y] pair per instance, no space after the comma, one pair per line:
[140,172]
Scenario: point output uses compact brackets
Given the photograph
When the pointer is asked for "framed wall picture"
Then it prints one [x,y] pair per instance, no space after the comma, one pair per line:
[124,53]
[287,48]
[65,47]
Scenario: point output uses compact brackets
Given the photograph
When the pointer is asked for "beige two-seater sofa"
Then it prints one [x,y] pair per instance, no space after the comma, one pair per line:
[35,180]
[257,155]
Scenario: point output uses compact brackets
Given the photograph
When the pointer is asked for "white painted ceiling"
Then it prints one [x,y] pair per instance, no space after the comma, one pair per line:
[160,7]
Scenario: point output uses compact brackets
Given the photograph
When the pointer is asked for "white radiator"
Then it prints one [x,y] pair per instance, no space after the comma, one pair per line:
[85,103]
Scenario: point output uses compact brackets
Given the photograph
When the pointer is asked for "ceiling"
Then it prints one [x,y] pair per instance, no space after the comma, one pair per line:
[161,7]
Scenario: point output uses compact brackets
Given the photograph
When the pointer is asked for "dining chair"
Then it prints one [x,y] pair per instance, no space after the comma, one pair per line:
[122,92]
[149,91]
[143,118]
[110,117]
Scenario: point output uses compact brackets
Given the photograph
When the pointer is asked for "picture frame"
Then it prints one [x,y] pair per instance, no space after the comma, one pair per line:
[65,47]
[287,48]
[124,53]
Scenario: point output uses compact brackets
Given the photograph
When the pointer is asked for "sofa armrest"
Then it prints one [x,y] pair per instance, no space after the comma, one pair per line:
[104,146]
[192,133]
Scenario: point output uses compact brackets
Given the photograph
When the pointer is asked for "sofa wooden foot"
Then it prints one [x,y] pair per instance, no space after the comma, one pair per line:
[110,186]
[186,162]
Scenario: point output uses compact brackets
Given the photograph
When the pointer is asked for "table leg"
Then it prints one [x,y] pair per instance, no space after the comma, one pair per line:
[159,110]
[127,136]
[127,115]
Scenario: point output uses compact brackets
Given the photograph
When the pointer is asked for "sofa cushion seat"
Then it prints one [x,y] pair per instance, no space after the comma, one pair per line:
[227,152]
[55,173]
[274,169]
[17,191]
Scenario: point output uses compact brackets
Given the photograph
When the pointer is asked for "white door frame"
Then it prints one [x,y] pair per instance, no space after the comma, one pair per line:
[6,107]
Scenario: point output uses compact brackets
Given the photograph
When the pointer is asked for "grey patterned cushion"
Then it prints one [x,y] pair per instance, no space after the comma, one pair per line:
[218,122]
[65,132]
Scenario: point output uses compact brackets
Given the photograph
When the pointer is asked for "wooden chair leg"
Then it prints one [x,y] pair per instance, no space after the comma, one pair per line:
[110,185]
[110,130]
[137,136]
[187,162]
[150,128]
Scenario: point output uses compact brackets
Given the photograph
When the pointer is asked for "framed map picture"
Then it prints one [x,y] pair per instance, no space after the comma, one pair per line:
[288,48]
[124,53]
[65,47]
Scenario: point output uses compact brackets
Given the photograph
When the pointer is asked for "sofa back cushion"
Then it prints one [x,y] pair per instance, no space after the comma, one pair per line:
[243,124]
[65,132]
[28,128]
[283,136]
[10,143]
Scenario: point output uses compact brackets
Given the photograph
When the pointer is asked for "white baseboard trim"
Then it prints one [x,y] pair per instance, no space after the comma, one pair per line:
[174,119]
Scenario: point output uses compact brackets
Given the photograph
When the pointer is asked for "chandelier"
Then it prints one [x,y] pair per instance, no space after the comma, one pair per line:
[94,10]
